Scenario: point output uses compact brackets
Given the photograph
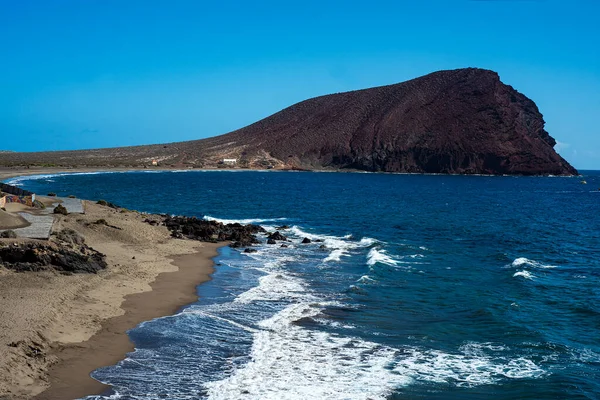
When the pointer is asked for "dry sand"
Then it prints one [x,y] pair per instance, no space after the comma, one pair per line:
[55,329]
[8,220]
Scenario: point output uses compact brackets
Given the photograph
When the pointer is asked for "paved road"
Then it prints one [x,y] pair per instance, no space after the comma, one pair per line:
[73,206]
[41,225]
[40,228]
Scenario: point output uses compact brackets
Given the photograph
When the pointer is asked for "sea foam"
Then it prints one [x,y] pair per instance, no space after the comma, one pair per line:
[522,261]
[242,221]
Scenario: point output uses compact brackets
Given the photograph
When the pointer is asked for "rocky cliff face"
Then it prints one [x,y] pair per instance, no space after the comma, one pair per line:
[462,121]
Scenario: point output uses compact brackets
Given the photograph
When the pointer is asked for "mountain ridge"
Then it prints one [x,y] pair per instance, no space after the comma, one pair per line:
[463,121]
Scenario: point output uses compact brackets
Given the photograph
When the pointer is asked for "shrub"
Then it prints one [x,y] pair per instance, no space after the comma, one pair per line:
[10,234]
[107,204]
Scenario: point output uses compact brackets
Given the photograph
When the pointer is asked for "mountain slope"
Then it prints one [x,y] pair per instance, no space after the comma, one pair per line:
[459,121]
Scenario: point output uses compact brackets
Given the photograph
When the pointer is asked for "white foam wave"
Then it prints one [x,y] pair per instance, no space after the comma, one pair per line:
[463,370]
[524,274]
[275,287]
[242,221]
[291,362]
[366,279]
[341,245]
[522,261]
[18,181]
[335,255]
[380,256]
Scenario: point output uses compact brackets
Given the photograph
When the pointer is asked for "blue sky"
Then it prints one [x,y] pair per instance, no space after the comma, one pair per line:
[104,73]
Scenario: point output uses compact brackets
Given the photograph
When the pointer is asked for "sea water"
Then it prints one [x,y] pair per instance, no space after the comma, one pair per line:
[413,287]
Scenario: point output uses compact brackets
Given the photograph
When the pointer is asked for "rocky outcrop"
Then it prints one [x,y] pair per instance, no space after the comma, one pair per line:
[276,236]
[463,121]
[212,231]
[36,256]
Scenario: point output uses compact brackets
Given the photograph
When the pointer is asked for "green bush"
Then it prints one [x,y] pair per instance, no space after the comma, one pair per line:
[39,204]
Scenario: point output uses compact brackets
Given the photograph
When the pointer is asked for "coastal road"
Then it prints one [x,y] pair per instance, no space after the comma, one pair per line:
[41,224]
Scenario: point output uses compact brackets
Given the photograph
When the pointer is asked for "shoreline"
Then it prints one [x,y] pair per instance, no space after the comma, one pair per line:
[7,172]
[170,291]
[56,328]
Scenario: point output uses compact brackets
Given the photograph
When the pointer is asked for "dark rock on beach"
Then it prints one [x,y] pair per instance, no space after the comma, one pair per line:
[34,256]
[60,209]
[212,231]
[271,241]
[306,241]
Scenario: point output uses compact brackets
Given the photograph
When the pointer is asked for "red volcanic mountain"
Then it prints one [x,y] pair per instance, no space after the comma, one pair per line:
[463,121]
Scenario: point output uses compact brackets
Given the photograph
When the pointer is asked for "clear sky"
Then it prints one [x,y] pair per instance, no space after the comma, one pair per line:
[103,73]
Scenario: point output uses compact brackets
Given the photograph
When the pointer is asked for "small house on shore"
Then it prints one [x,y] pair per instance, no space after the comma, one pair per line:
[230,161]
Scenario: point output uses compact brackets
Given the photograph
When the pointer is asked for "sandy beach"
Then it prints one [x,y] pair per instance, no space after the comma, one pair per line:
[57,328]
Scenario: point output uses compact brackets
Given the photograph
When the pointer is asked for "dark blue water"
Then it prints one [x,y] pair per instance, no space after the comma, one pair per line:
[423,287]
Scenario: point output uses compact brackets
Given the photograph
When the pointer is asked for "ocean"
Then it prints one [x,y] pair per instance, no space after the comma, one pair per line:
[413,287]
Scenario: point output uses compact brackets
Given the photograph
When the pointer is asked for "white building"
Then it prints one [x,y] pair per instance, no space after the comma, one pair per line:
[230,161]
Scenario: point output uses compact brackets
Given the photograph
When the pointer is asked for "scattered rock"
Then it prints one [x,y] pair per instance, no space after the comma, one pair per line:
[276,236]
[212,231]
[249,250]
[52,194]
[70,236]
[284,245]
[282,227]
[306,240]
[60,209]
[322,246]
[271,241]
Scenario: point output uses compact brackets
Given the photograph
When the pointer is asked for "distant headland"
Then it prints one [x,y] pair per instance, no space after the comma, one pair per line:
[463,121]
